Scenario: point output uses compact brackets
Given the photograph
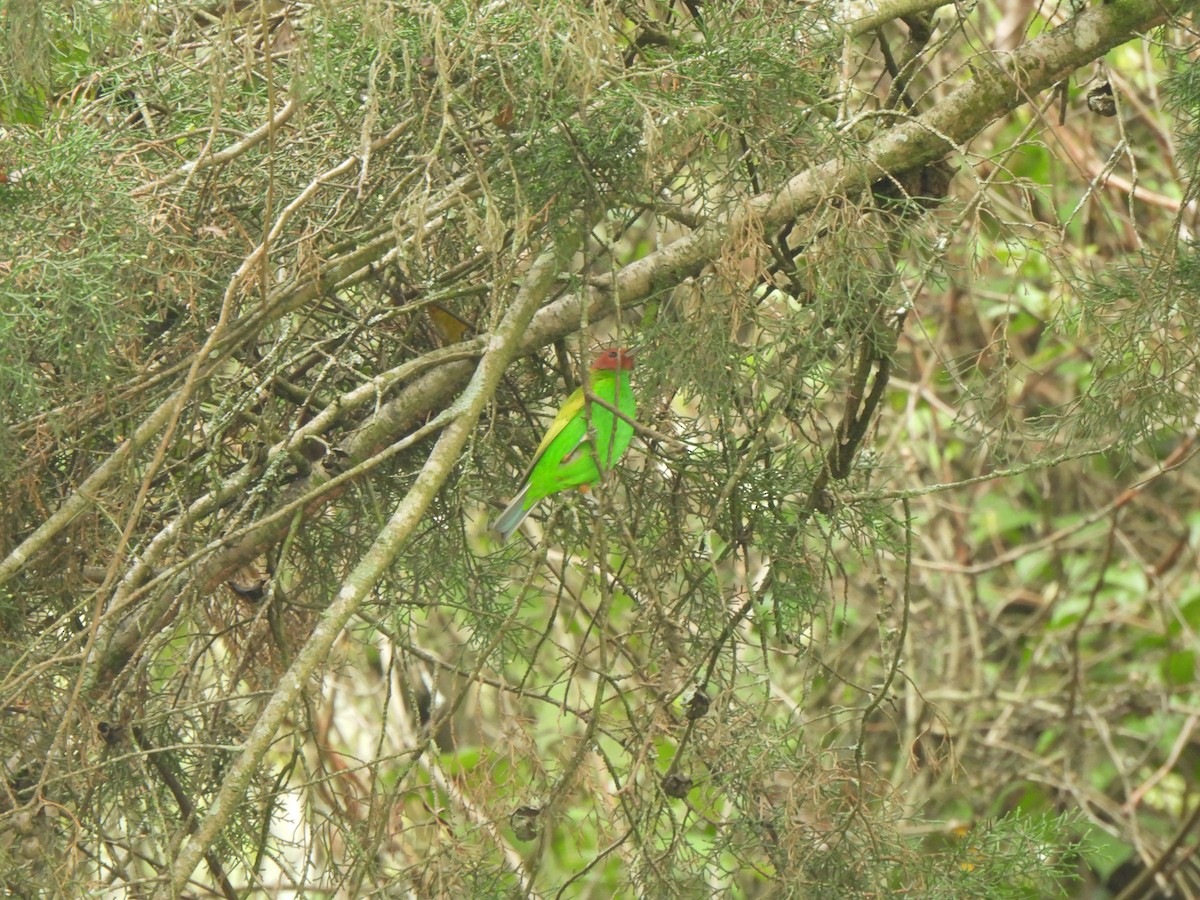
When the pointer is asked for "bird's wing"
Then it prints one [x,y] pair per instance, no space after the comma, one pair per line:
[572,407]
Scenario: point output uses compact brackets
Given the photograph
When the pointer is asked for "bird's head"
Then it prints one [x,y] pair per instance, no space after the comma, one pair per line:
[613,360]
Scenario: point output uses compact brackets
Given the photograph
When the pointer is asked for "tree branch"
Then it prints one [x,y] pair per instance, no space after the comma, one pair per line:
[370,568]
[909,145]
[863,15]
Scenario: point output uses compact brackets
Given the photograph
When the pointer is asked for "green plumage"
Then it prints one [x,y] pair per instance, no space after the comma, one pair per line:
[566,458]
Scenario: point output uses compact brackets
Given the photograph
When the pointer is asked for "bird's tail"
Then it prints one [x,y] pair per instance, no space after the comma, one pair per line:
[514,514]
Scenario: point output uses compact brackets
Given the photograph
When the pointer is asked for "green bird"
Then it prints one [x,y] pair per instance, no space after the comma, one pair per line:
[566,458]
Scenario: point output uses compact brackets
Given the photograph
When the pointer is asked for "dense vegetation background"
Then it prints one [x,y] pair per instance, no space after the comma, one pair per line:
[895,593]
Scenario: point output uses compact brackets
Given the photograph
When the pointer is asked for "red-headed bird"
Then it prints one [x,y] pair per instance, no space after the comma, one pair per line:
[566,458]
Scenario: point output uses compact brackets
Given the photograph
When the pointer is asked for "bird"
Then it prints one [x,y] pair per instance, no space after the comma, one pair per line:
[566,458]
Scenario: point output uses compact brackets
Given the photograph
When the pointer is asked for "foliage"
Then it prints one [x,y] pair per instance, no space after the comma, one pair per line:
[895,594]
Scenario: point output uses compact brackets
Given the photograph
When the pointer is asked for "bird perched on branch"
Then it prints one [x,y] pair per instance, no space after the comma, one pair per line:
[566,458]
